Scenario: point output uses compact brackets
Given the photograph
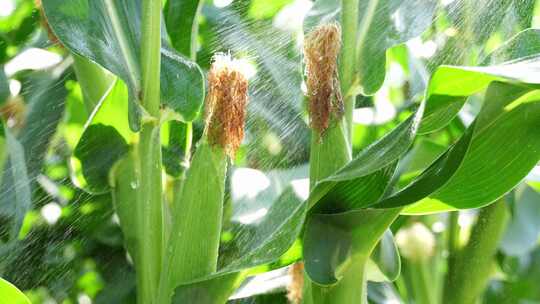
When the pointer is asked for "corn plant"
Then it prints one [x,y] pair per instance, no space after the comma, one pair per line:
[163,132]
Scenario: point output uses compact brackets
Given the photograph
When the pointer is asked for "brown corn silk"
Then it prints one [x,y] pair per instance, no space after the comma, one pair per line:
[321,50]
[296,287]
[226,104]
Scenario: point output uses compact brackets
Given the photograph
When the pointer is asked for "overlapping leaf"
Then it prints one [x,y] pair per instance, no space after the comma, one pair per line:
[104,141]
[265,226]
[469,174]
[450,85]
[382,24]
[124,180]
[370,169]
[332,240]
[261,233]
[503,149]
[108,32]
[268,237]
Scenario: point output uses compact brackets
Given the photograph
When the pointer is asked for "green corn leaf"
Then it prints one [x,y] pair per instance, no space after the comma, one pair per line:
[382,24]
[104,141]
[434,177]
[19,193]
[262,242]
[384,263]
[9,294]
[364,180]
[4,86]
[182,25]
[174,150]
[504,133]
[330,240]
[108,32]
[98,150]
[454,180]
[450,85]
[45,94]
[424,153]
[95,81]
[27,150]
[252,238]
[262,227]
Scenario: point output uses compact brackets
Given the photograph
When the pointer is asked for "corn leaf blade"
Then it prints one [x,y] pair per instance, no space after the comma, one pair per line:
[479,179]
[9,294]
[373,167]
[115,45]
[449,86]
[330,240]
[104,141]
[16,178]
[180,18]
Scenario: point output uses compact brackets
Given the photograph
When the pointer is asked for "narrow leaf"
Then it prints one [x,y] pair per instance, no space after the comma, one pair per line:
[17,177]
[505,133]
[182,24]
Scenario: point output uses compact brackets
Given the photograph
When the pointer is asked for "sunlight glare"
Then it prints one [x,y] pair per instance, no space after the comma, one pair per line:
[291,16]
[32,59]
[422,49]
[301,188]
[534,176]
[248,183]
[14,87]
[383,112]
[51,213]
[222,3]
[6,7]
[250,218]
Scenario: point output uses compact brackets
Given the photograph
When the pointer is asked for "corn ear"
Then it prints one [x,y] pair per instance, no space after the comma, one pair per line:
[330,147]
[194,240]
[197,217]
